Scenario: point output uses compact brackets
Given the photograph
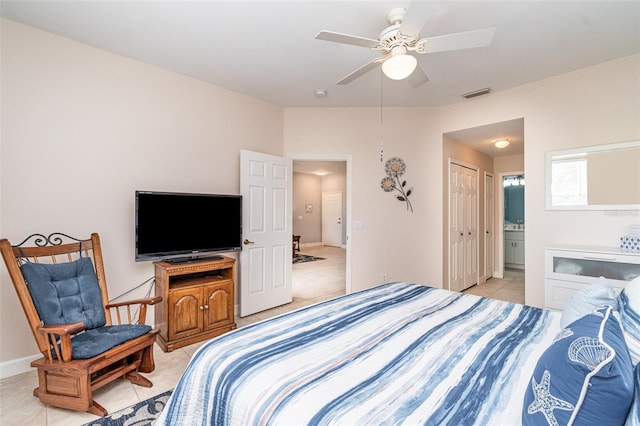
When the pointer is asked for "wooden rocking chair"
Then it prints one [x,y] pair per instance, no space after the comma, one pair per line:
[63,292]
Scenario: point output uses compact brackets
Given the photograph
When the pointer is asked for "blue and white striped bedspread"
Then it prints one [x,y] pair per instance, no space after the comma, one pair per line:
[396,354]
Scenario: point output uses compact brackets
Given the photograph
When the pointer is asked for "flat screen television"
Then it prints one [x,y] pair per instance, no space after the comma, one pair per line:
[186,226]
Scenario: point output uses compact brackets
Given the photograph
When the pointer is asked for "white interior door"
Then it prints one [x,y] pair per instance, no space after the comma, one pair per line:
[471,228]
[489,218]
[463,227]
[265,261]
[456,228]
[332,218]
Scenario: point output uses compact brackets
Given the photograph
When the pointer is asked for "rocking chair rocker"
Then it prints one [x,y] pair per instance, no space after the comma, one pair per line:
[63,292]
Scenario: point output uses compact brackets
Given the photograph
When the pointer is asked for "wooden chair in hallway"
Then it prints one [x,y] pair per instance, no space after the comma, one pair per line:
[296,245]
[61,285]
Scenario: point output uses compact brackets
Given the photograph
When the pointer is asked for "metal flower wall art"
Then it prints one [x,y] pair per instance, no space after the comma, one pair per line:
[395,168]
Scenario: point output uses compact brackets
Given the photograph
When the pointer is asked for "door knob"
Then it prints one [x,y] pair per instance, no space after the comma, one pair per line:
[246,242]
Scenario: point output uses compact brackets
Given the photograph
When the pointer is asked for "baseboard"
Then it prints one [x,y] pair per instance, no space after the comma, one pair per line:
[311,244]
[17,366]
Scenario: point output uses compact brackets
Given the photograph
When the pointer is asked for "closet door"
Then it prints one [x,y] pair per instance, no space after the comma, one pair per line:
[463,227]
[489,234]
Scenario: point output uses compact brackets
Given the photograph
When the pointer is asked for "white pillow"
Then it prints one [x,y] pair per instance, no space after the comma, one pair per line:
[629,301]
[595,295]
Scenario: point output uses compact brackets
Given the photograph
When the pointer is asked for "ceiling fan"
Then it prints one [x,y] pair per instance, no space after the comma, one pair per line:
[400,42]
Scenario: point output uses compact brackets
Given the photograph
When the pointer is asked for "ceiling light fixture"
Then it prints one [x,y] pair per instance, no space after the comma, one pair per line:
[321,93]
[400,65]
[503,143]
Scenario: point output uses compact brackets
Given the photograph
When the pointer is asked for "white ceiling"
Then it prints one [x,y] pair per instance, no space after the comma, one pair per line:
[266,49]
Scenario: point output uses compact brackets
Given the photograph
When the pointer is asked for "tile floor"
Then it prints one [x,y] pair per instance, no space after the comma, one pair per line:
[510,288]
[19,407]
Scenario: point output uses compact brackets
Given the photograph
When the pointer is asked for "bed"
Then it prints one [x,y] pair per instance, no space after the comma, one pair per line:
[400,353]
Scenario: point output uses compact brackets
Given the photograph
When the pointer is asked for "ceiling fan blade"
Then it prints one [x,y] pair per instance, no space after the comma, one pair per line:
[418,77]
[457,41]
[416,16]
[347,39]
[361,71]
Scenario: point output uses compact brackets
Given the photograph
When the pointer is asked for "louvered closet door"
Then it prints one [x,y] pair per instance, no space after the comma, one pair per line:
[463,227]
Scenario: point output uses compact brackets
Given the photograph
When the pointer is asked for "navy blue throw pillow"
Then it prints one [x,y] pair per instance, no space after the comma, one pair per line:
[65,293]
[584,378]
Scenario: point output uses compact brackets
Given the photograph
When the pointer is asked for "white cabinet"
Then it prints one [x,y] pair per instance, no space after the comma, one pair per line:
[514,249]
[571,268]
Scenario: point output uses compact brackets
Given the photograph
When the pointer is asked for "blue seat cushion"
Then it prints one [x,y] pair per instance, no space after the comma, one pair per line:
[98,340]
[65,293]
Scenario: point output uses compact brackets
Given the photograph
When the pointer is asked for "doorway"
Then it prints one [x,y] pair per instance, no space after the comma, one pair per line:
[513,186]
[313,176]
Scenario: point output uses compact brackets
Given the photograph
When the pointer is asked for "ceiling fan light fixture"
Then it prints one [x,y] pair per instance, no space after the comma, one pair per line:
[400,65]
[501,144]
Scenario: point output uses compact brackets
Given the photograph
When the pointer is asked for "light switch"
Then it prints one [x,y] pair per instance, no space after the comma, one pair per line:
[358,224]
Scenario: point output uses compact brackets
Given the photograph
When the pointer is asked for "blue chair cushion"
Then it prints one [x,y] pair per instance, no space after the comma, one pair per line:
[69,292]
[98,340]
[65,293]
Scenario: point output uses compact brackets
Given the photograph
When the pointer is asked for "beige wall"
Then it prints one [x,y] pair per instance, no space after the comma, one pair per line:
[307,189]
[82,129]
[592,106]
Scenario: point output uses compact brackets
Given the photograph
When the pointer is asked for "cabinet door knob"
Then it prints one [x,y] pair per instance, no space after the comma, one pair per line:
[202,308]
[206,306]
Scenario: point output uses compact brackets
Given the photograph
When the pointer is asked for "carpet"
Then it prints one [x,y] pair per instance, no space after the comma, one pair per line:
[141,414]
[303,258]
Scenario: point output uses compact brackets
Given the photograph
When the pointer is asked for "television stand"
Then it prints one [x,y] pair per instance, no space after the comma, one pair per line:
[183,260]
[197,301]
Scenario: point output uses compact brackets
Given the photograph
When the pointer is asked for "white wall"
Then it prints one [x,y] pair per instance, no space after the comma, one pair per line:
[591,106]
[393,242]
[595,105]
[82,129]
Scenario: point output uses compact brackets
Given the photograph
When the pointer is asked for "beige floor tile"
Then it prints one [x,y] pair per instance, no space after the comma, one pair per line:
[18,406]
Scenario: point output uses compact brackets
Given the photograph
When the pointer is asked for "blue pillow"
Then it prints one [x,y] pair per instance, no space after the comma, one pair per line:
[588,299]
[65,293]
[629,301]
[584,378]
[634,414]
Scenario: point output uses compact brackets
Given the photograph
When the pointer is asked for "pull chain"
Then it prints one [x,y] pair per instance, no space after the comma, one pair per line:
[381,124]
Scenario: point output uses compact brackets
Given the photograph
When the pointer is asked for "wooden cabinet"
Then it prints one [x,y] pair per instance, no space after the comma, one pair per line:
[514,249]
[571,268]
[197,301]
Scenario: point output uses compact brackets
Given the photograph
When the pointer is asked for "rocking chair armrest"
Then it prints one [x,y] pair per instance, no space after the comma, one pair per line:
[64,332]
[145,301]
[62,329]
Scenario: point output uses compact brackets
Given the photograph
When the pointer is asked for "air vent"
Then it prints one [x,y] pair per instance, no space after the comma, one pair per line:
[476,93]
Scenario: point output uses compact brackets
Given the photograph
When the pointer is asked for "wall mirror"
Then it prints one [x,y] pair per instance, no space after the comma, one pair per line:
[602,177]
